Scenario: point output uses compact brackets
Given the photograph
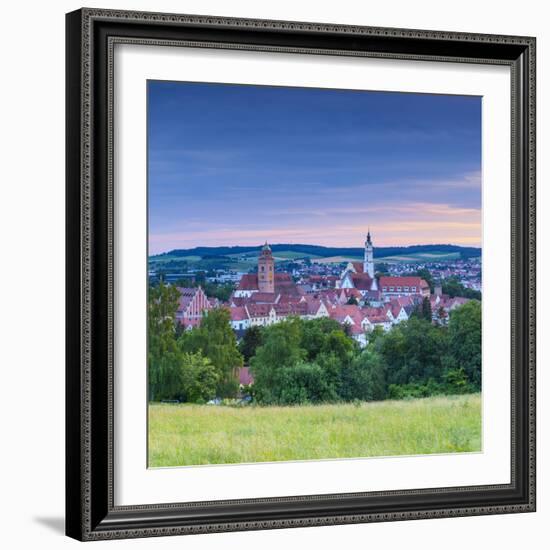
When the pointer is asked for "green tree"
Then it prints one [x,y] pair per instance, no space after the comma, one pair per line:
[303,383]
[340,345]
[280,350]
[376,334]
[453,287]
[364,378]
[216,340]
[465,340]
[332,366]
[414,351]
[426,309]
[314,334]
[251,340]
[163,360]
[199,378]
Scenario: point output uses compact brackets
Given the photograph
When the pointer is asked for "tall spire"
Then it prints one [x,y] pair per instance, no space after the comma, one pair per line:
[368,263]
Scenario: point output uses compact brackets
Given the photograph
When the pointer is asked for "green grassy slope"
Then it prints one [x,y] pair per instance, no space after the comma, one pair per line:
[200,434]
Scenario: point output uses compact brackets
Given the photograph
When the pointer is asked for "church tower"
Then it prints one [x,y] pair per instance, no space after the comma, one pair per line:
[266,270]
[368,263]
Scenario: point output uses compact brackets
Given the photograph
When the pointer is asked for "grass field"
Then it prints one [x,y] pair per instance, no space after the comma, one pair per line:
[422,257]
[182,435]
[337,259]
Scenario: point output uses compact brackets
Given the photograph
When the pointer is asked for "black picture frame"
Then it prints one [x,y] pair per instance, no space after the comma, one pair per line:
[90,510]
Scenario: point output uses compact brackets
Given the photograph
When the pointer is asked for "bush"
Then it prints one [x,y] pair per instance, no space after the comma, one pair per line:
[415,390]
[304,383]
[364,378]
[455,383]
[198,378]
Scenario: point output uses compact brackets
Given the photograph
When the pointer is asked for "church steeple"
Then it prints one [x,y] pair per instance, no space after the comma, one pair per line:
[266,270]
[368,263]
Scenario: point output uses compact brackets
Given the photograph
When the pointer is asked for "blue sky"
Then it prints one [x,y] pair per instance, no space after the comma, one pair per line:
[238,165]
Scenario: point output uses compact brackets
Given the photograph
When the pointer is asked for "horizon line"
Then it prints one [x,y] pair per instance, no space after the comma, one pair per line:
[310,244]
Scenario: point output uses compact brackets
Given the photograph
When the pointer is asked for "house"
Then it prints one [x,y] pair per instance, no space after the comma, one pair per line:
[393,287]
[352,316]
[376,317]
[240,320]
[358,280]
[396,312]
[192,304]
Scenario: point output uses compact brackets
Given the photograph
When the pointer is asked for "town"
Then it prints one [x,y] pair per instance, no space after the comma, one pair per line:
[355,294]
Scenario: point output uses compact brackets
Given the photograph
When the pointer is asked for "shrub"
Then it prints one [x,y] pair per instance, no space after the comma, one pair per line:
[304,383]
[364,378]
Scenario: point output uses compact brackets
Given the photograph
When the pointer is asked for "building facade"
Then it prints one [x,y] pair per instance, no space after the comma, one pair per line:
[192,304]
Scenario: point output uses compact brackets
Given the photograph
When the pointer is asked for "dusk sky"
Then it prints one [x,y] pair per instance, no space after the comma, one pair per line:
[239,165]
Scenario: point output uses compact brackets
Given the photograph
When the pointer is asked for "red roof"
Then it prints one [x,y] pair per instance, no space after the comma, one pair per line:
[377,318]
[245,377]
[249,281]
[290,309]
[358,266]
[259,310]
[375,314]
[404,300]
[289,298]
[403,281]
[263,297]
[187,295]
[283,283]
[395,309]
[341,312]
[361,281]
[238,313]
[313,306]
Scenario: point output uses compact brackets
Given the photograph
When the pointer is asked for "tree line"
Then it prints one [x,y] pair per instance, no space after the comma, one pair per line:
[298,361]
[301,361]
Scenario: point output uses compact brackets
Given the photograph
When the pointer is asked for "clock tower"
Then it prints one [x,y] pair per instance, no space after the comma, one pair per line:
[266,270]
[368,264]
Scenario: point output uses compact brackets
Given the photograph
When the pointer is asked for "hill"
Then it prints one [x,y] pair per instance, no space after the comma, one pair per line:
[294,251]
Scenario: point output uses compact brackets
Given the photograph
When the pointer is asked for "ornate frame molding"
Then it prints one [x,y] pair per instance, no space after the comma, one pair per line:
[91,36]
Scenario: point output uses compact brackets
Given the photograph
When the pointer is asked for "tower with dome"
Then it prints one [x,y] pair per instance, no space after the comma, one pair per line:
[266,270]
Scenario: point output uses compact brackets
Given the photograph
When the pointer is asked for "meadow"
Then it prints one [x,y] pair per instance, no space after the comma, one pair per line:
[183,434]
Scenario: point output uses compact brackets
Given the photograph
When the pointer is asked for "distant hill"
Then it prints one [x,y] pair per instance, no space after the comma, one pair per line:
[424,252]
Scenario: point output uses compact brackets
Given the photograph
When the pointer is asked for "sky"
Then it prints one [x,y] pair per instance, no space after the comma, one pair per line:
[241,165]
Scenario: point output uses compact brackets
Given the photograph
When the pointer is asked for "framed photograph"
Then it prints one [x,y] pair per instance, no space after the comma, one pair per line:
[300,274]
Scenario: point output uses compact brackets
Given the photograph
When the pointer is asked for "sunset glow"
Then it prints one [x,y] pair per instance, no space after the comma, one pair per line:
[239,165]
